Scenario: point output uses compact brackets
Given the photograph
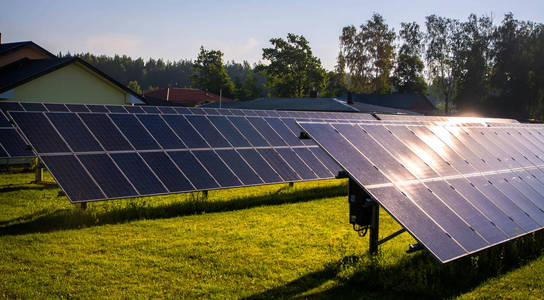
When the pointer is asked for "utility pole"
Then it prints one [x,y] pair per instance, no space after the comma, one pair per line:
[220,95]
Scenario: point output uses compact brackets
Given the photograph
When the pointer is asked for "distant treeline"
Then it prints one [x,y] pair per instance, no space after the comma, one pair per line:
[158,73]
[470,65]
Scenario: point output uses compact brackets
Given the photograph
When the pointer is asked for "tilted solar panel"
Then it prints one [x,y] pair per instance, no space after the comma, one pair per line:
[456,189]
[128,155]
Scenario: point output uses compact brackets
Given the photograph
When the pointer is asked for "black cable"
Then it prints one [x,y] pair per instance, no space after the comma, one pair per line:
[362,231]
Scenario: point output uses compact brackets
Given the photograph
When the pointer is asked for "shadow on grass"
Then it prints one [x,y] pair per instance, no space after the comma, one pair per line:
[415,276]
[36,187]
[69,218]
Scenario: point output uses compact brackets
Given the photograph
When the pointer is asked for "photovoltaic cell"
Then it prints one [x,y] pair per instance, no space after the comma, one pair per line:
[11,106]
[185,131]
[167,172]
[424,151]
[138,173]
[208,131]
[487,207]
[283,131]
[476,220]
[134,109]
[116,108]
[309,158]
[97,108]
[271,136]
[13,144]
[374,155]
[3,153]
[4,122]
[525,204]
[74,132]
[215,166]
[161,131]
[74,180]
[229,131]
[77,108]
[182,110]
[419,225]
[242,170]
[107,175]
[57,107]
[248,131]
[134,132]
[105,131]
[283,169]
[166,110]
[33,106]
[297,164]
[257,162]
[151,109]
[324,158]
[402,153]
[39,132]
[188,164]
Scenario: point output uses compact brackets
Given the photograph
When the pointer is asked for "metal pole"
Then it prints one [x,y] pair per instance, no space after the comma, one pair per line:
[220,96]
[39,172]
[374,229]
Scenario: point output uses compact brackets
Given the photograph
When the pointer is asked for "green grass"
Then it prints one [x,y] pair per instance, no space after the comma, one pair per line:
[258,242]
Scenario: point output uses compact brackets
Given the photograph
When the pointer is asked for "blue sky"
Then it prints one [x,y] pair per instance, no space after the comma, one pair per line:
[175,29]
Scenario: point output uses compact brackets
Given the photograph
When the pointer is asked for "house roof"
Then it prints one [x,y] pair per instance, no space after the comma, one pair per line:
[370,108]
[306,104]
[185,95]
[25,70]
[161,102]
[414,102]
[10,47]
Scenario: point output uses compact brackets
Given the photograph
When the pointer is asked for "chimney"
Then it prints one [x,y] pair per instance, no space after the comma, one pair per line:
[350,98]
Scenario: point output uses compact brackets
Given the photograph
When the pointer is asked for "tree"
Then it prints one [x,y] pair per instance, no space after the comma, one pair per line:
[473,63]
[440,39]
[133,85]
[408,76]
[293,71]
[517,79]
[336,80]
[369,55]
[209,73]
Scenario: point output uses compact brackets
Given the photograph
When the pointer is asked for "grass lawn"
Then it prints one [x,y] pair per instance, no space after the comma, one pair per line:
[258,242]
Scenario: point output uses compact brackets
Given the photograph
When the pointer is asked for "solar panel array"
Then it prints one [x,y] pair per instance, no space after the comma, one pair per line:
[108,155]
[12,145]
[405,118]
[456,189]
[458,185]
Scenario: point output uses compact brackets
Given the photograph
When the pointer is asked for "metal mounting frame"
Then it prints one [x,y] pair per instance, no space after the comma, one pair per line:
[356,193]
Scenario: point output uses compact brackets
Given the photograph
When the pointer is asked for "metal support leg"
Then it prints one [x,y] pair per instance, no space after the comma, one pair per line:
[374,229]
[205,194]
[291,184]
[39,173]
[83,205]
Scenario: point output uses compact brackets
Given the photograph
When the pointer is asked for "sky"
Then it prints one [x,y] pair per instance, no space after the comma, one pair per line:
[175,30]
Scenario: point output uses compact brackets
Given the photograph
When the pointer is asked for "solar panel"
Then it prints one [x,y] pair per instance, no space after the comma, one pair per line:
[134,131]
[12,145]
[4,122]
[77,108]
[457,188]
[167,172]
[97,108]
[137,154]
